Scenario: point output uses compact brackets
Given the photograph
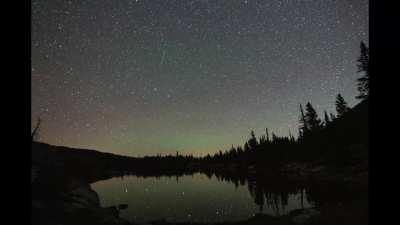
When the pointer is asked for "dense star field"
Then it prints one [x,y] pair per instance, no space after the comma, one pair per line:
[146,77]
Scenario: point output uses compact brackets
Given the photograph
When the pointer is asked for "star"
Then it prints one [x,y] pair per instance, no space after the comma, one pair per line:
[198,70]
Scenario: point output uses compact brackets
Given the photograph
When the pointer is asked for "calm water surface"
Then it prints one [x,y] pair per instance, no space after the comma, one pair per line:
[195,198]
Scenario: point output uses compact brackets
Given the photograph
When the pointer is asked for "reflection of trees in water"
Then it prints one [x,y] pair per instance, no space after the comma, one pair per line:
[267,192]
[271,197]
[271,192]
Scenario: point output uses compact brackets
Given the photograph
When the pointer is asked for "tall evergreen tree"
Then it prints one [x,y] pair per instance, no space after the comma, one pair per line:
[341,105]
[363,66]
[303,129]
[312,120]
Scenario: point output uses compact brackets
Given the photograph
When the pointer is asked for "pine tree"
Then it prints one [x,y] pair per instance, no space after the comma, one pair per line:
[341,106]
[252,141]
[311,117]
[291,138]
[327,121]
[303,129]
[363,66]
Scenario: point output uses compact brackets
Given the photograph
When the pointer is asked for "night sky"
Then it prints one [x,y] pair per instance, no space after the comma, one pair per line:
[146,77]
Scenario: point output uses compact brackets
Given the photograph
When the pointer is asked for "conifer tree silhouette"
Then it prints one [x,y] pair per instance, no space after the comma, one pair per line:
[311,117]
[341,106]
[303,130]
[327,120]
[252,141]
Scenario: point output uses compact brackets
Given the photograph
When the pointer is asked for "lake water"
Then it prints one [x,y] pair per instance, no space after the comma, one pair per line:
[194,198]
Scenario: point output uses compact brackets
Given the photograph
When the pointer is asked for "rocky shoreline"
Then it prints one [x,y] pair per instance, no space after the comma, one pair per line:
[60,197]
[80,205]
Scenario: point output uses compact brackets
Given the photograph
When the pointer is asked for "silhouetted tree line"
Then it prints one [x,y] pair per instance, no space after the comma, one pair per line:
[271,191]
[340,138]
[336,138]
[270,150]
